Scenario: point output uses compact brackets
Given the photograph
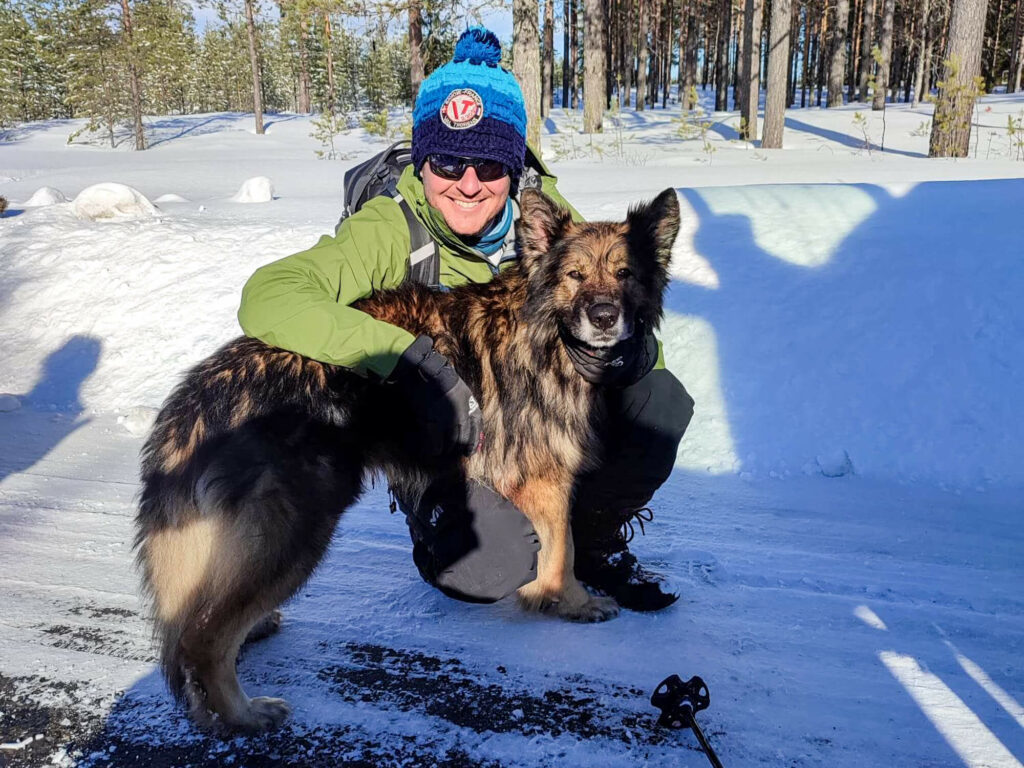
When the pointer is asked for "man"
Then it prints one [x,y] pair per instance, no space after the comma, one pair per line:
[469,159]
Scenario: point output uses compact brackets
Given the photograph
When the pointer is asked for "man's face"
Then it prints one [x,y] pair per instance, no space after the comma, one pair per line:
[468,204]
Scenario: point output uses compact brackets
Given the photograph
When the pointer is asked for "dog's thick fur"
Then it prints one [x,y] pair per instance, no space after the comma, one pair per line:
[259,450]
[3,205]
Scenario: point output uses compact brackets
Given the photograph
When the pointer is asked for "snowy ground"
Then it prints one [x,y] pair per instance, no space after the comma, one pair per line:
[844,524]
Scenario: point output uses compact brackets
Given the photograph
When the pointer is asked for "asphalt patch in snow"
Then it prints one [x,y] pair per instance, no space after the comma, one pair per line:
[444,688]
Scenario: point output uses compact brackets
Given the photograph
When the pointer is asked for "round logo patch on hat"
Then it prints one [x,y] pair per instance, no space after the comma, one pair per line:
[462,109]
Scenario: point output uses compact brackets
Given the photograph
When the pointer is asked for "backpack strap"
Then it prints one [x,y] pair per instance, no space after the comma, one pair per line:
[424,254]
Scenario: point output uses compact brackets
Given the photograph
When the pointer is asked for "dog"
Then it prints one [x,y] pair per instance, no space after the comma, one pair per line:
[3,205]
[258,451]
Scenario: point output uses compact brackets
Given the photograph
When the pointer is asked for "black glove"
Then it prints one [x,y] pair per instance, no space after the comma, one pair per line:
[443,404]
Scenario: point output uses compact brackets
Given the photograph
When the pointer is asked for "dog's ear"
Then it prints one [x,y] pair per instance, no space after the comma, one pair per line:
[541,223]
[656,225]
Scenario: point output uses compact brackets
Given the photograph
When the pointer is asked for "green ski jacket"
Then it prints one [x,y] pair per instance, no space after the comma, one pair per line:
[302,302]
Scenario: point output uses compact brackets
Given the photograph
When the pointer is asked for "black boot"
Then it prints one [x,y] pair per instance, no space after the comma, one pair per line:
[603,560]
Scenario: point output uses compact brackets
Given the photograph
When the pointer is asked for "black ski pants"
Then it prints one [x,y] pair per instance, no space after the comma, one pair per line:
[475,545]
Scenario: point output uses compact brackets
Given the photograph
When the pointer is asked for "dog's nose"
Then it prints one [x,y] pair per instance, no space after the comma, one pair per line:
[603,315]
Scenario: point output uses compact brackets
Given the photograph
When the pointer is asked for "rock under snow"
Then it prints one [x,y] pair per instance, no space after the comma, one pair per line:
[9,403]
[835,463]
[138,420]
[258,189]
[45,196]
[170,197]
[110,201]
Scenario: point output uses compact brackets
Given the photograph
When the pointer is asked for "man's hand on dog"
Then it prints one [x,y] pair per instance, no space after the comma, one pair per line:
[442,402]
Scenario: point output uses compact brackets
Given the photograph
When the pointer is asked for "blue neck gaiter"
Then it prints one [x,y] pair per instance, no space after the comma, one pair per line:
[490,241]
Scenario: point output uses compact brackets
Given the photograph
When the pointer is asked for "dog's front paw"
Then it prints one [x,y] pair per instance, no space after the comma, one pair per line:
[595,609]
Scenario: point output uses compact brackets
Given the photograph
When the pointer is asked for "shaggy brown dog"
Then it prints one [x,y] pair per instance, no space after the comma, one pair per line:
[258,451]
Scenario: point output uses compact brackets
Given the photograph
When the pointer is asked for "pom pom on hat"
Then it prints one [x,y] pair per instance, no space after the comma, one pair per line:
[478,45]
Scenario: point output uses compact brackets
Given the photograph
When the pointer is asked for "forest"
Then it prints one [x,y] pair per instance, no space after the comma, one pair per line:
[115,62]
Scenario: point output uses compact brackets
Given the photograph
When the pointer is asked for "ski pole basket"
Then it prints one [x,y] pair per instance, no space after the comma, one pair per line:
[679,702]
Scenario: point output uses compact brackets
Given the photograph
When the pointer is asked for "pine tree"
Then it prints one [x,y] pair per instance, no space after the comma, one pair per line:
[97,81]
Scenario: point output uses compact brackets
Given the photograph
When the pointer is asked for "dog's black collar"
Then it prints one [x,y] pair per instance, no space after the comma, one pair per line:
[619,365]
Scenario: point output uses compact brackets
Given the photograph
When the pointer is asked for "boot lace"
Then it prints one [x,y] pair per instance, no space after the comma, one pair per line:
[641,516]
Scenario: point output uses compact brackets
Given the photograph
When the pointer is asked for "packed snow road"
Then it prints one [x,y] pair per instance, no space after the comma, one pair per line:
[837,623]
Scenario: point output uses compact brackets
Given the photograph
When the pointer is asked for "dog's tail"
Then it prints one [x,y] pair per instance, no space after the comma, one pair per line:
[185,503]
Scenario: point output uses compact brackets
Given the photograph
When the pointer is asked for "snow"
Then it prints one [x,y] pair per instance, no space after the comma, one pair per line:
[258,189]
[45,196]
[109,201]
[844,523]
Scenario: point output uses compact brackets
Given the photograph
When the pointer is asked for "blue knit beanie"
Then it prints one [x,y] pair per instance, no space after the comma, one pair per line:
[471,107]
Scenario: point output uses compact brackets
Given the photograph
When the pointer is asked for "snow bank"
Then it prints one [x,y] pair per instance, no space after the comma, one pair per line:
[45,196]
[110,201]
[258,189]
[170,197]
[9,403]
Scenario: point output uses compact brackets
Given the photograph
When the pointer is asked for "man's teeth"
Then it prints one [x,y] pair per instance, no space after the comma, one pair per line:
[463,204]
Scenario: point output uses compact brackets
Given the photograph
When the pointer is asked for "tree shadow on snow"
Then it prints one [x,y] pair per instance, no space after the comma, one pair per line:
[23,131]
[905,341]
[845,139]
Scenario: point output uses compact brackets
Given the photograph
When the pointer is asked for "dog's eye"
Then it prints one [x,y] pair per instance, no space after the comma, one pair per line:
[622,274]
[576,275]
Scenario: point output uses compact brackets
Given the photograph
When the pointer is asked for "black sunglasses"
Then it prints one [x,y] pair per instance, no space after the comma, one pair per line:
[452,168]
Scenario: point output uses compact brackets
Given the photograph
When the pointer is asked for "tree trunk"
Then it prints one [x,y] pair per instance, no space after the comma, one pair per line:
[867,63]
[821,56]
[652,74]
[778,72]
[838,72]
[885,65]
[644,56]
[594,93]
[854,64]
[628,52]
[133,75]
[416,67]
[794,41]
[611,50]
[1013,71]
[808,55]
[992,76]
[722,56]
[708,54]
[565,53]
[951,126]
[547,76]
[666,79]
[923,46]
[690,80]
[305,86]
[750,70]
[574,42]
[526,64]
[254,62]
[329,50]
